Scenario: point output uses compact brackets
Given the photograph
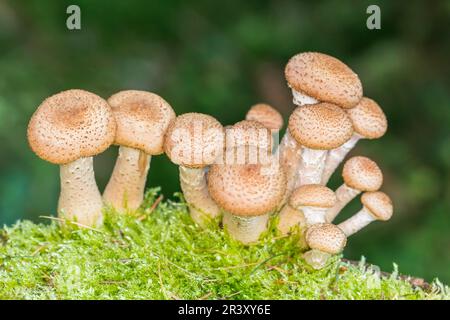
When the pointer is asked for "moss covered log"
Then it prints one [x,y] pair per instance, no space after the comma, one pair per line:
[157,252]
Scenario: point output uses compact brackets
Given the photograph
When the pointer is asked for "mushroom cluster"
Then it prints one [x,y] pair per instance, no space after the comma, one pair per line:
[237,175]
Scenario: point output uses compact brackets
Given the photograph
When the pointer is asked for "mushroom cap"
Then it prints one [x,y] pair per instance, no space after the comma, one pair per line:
[326,237]
[142,120]
[70,125]
[266,115]
[312,195]
[379,204]
[247,189]
[324,78]
[194,140]
[248,133]
[368,119]
[321,126]
[362,174]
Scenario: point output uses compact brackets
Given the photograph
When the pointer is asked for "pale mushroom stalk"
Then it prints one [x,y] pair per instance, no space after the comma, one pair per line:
[301,99]
[360,174]
[126,186]
[311,166]
[316,258]
[344,195]
[335,157]
[376,206]
[245,229]
[289,218]
[289,152]
[195,190]
[80,198]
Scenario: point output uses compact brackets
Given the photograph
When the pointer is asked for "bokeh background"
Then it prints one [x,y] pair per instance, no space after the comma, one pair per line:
[220,59]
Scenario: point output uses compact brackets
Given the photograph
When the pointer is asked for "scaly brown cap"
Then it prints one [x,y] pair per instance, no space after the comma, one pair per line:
[194,140]
[70,125]
[324,78]
[362,174]
[326,237]
[142,120]
[248,133]
[321,126]
[379,204]
[368,119]
[266,115]
[313,195]
[247,190]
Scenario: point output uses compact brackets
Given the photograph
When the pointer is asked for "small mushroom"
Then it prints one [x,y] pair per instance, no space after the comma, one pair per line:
[68,129]
[194,141]
[313,200]
[267,116]
[142,120]
[325,240]
[360,174]
[247,194]
[316,77]
[376,206]
[317,128]
[369,122]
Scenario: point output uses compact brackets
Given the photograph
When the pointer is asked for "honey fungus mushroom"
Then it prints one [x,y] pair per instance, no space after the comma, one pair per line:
[142,120]
[247,194]
[267,115]
[360,174]
[68,129]
[194,141]
[376,206]
[325,240]
[369,122]
[316,77]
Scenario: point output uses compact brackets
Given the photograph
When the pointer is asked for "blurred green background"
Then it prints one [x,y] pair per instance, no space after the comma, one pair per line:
[220,60]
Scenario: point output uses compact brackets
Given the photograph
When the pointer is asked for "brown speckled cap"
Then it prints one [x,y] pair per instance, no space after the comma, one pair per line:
[142,120]
[247,190]
[314,195]
[362,174]
[266,115]
[249,133]
[70,125]
[368,119]
[379,204]
[194,140]
[321,126]
[326,237]
[324,78]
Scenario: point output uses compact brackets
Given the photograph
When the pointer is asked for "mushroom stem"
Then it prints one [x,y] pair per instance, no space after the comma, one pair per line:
[290,152]
[358,221]
[80,198]
[125,189]
[335,157]
[290,218]
[344,195]
[311,166]
[314,215]
[301,99]
[195,190]
[245,229]
[316,258]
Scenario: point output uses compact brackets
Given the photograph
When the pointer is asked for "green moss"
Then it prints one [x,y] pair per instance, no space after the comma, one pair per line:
[163,255]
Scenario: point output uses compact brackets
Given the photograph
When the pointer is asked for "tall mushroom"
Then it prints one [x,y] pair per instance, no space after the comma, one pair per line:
[142,120]
[369,122]
[68,129]
[360,174]
[194,141]
[317,128]
[376,206]
[247,194]
[316,77]
[325,240]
